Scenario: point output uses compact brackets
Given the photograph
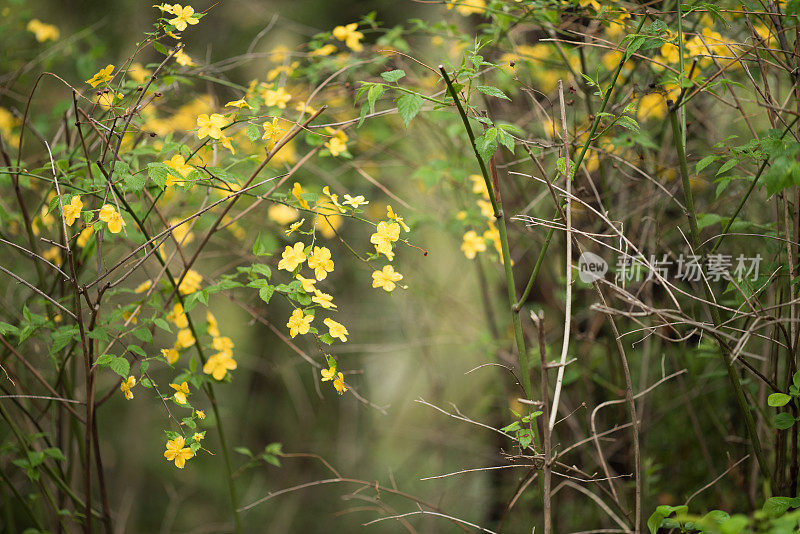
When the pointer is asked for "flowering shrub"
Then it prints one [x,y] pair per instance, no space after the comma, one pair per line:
[139,212]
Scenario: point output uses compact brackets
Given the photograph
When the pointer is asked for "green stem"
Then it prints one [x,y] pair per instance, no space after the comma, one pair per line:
[536,268]
[715,316]
[498,215]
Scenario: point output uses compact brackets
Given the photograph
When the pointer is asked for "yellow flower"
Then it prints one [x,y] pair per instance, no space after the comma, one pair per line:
[183,59]
[299,323]
[292,257]
[395,217]
[72,210]
[112,218]
[223,344]
[178,317]
[180,392]
[473,243]
[297,192]
[272,130]
[126,387]
[321,262]
[339,384]
[337,144]
[191,282]
[323,299]
[83,237]
[181,232]
[134,318]
[177,452]
[336,329]
[350,36]
[198,436]
[384,236]
[226,142]
[486,209]
[468,7]
[185,339]
[201,414]
[355,202]
[479,185]
[144,286]
[282,214]
[103,75]
[210,126]
[652,106]
[219,364]
[183,16]
[171,355]
[138,73]
[43,31]
[276,97]
[386,278]
[241,103]
[53,255]
[307,283]
[328,374]
[295,226]
[213,326]
[303,107]
[326,50]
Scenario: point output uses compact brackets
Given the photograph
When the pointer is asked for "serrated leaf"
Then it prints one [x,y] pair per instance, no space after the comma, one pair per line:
[393,75]
[252,132]
[375,92]
[492,91]
[705,162]
[728,165]
[266,293]
[408,106]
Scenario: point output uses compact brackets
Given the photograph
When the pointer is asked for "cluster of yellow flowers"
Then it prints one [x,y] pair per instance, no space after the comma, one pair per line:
[473,243]
[43,32]
[107,214]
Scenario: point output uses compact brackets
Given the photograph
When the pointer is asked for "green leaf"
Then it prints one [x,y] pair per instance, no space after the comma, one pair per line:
[160,48]
[375,92]
[252,132]
[266,293]
[393,75]
[492,91]
[661,513]
[55,452]
[778,399]
[728,165]
[705,162]
[628,122]
[561,165]
[162,324]
[143,334]
[264,244]
[115,363]
[136,349]
[243,450]
[158,172]
[777,506]
[408,106]
[783,420]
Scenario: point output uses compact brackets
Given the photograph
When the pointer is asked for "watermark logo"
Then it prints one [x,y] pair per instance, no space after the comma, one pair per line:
[591,267]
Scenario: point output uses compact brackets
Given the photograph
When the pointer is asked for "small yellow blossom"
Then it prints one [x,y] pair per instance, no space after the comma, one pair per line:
[323,299]
[198,436]
[171,355]
[272,130]
[42,31]
[177,452]
[350,36]
[468,7]
[326,50]
[210,126]
[303,107]
[282,214]
[333,197]
[384,236]
[53,255]
[178,317]
[219,364]
[213,326]
[321,262]
[328,374]
[126,387]
[84,236]
[180,392]
[223,344]
[226,142]
[72,210]
[299,323]
[185,339]
[297,192]
[292,257]
[133,317]
[183,16]
[337,144]
[395,217]
[103,75]
[307,283]
[479,186]
[112,218]
[473,243]
[191,282]
[355,202]
[201,414]
[179,164]
[276,97]
[386,278]
[295,226]
[183,59]
[144,286]
[241,104]
[339,384]
[336,329]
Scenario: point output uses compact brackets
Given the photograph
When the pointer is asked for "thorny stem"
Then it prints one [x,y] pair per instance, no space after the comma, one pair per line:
[498,215]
